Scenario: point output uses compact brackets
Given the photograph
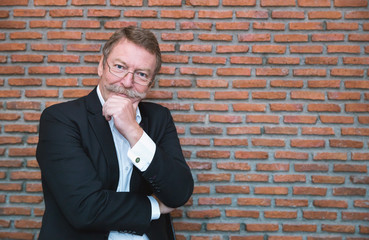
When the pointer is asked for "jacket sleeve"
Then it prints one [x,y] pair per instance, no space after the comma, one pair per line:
[70,180]
[169,175]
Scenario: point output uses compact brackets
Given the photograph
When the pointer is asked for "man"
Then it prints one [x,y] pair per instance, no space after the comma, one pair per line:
[112,166]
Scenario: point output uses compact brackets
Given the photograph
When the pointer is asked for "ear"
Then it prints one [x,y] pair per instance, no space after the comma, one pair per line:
[100,68]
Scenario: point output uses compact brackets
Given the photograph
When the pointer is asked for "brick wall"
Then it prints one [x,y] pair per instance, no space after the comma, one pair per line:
[270,99]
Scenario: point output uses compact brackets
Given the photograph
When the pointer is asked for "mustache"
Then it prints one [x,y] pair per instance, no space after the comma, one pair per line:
[128,92]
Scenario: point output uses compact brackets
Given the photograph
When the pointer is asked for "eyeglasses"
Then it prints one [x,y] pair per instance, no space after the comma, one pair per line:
[139,77]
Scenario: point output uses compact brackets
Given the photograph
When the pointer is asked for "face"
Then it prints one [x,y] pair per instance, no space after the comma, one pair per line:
[137,60]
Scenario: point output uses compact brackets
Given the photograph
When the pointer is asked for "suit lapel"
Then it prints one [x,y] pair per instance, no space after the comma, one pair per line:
[104,136]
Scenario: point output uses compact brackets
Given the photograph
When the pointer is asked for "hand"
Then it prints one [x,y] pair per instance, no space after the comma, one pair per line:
[123,111]
[163,208]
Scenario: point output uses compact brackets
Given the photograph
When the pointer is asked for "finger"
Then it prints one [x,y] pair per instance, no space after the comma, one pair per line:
[105,113]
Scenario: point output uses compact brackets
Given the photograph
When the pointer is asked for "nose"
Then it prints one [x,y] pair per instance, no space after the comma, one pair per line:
[127,80]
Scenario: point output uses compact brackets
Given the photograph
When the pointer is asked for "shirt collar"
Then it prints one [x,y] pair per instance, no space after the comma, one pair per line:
[102,101]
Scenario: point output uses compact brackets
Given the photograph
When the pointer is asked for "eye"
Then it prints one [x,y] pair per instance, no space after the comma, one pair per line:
[120,67]
[142,75]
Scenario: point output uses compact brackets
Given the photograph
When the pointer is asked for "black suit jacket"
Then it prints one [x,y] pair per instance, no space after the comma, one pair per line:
[79,168]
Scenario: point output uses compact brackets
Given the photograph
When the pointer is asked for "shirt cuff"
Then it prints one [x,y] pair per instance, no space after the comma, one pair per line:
[155,209]
[142,153]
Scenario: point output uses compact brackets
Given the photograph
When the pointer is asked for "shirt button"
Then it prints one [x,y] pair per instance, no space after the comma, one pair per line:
[138,160]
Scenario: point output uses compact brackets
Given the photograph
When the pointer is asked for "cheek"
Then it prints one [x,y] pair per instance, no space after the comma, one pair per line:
[105,79]
[142,89]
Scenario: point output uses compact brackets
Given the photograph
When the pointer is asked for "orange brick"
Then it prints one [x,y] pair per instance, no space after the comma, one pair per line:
[345,26]
[311,167]
[46,24]
[215,37]
[230,142]
[165,3]
[47,47]
[239,2]
[338,228]
[254,37]
[225,119]
[232,26]
[14,3]
[11,70]
[183,226]
[233,72]
[324,84]
[306,49]
[289,178]
[324,15]
[336,143]
[253,202]
[50,2]
[350,3]
[305,26]
[291,155]
[276,3]
[126,3]
[213,213]
[312,3]
[288,15]
[230,227]
[276,49]
[66,12]
[314,191]
[140,13]
[251,178]
[64,35]
[213,154]
[88,2]
[328,179]
[357,15]
[234,189]
[258,83]
[215,201]
[44,70]
[291,38]
[258,227]
[242,213]
[329,37]
[253,14]
[29,13]
[12,25]
[330,203]
[82,24]
[291,202]
[216,83]
[215,14]
[251,155]
[26,35]
[299,228]
[202,3]
[177,14]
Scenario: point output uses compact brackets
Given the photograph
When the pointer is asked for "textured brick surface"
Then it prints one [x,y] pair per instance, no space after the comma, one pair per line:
[270,99]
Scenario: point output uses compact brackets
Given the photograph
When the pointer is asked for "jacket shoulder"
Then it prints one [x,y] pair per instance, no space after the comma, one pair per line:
[150,107]
[64,109]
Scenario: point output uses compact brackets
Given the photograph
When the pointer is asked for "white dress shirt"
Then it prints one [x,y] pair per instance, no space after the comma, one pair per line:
[143,151]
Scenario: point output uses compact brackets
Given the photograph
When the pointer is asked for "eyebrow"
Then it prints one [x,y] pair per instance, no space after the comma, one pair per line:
[139,69]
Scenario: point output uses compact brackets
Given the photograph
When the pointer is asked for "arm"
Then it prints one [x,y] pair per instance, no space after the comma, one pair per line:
[168,173]
[74,180]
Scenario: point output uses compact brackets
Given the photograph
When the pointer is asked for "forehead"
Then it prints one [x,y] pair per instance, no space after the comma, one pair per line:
[126,47]
[132,54]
